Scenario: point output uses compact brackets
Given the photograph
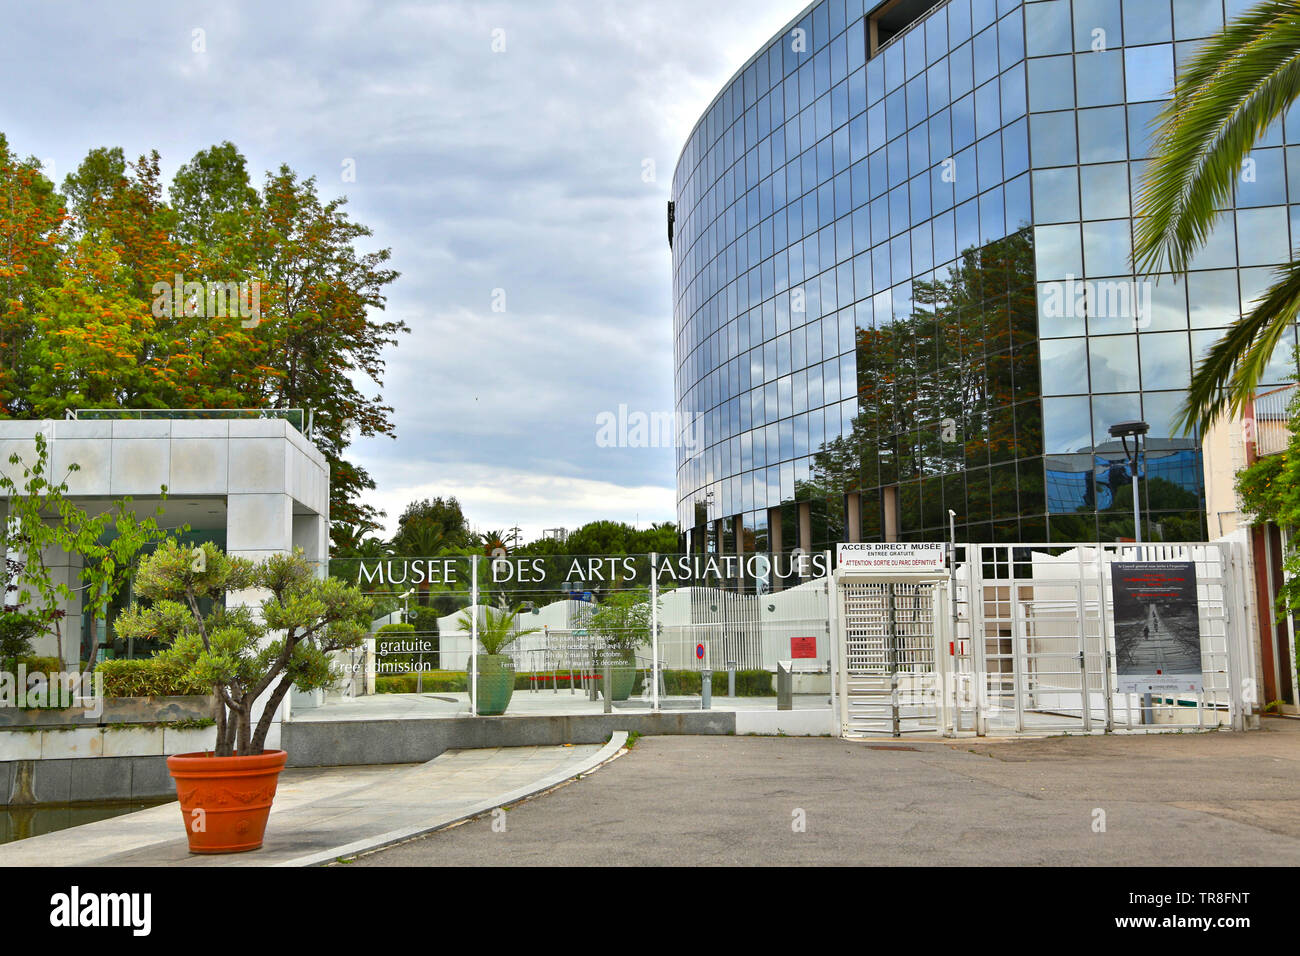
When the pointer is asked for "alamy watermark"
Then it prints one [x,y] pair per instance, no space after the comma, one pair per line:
[639,429]
[1076,298]
[209,300]
[53,690]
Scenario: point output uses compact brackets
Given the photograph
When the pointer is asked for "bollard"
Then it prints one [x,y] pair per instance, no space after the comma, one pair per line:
[609,684]
[706,690]
[731,678]
[784,685]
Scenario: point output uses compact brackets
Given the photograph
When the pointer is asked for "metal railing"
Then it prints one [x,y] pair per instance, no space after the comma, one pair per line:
[1273,420]
[297,417]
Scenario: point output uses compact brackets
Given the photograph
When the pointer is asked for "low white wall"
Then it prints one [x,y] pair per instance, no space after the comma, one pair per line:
[792,723]
[111,742]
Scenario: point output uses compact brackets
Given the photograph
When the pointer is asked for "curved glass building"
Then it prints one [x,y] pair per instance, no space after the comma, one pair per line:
[902,292]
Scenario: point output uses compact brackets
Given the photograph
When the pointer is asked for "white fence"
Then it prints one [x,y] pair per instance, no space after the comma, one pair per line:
[1024,641]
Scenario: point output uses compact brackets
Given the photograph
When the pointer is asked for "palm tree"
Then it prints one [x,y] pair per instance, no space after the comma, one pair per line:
[497,630]
[1225,98]
[491,540]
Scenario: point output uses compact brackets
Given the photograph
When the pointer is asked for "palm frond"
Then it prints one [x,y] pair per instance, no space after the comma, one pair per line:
[1226,378]
[1224,99]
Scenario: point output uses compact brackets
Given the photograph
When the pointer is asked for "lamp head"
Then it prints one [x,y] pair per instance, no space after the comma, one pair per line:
[1128,429]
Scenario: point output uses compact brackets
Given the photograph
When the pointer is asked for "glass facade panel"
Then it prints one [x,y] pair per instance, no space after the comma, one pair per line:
[903,273]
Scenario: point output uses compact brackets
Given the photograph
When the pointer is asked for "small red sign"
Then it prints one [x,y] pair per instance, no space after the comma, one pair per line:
[699,651]
[803,647]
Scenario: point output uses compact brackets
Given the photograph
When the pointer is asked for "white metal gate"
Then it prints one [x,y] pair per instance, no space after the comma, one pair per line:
[1036,624]
[893,632]
[1020,639]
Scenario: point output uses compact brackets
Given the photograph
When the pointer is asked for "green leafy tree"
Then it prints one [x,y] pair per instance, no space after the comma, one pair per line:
[107,560]
[239,654]
[622,623]
[33,497]
[1226,96]
[429,526]
[84,323]
[94,183]
[32,226]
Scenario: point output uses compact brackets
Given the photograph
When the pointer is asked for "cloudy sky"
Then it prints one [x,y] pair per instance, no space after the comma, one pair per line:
[514,154]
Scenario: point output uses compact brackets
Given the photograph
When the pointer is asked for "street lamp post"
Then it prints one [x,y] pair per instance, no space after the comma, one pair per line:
[1123,431]
[406,619]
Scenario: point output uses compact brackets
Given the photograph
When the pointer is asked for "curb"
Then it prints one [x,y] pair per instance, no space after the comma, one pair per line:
[618,740]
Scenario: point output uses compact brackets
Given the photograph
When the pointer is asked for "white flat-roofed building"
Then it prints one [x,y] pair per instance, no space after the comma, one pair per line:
[255,486]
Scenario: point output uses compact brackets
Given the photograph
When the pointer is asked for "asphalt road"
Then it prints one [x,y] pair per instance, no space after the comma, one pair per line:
[1168,800]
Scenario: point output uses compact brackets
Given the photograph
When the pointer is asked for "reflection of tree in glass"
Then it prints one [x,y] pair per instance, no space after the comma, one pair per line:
[937,392]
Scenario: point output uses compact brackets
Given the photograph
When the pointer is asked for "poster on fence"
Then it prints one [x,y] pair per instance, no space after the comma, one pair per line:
[1157,628]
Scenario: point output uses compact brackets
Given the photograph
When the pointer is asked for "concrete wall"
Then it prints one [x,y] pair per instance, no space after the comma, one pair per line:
[357,742]
[1223,454]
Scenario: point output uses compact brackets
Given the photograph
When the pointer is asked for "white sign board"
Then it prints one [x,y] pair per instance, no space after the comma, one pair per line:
[890,556]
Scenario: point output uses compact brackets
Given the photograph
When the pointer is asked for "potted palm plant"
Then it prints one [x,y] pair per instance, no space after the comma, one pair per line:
[622,624]
[247,656]
[497,630]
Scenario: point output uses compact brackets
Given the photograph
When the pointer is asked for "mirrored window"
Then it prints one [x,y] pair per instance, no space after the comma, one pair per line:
[1053,139]
[1166,360]
[1104,191]
[1112,362]
[1149,72]
[1051,83]
[1056,195]
[1102,135]
[1063,361]
[1058,251]
[1099,78]
[1097,25]
[1106,247]
[1147,21]
[1047,28]
[1194,19]
[1066,425]
[1269,233]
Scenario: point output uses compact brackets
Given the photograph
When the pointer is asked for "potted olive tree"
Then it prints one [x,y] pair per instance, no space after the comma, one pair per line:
[497,630]
[246,656]
[622,623]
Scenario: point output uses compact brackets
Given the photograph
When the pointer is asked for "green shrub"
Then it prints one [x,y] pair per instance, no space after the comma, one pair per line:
[147,677]
[32,664]
[677,683]
[39,665]
[429,659]
[684,683]
[435,682]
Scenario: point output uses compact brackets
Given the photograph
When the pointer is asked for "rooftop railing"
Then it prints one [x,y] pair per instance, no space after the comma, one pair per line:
[297,417]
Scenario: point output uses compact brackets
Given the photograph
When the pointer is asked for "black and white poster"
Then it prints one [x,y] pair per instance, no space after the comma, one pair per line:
[1157,629]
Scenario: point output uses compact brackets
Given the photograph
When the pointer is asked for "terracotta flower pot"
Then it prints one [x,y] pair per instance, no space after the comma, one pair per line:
[225,800]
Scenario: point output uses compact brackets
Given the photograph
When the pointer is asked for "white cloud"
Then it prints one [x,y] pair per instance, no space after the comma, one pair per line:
[519,170]
[494,498]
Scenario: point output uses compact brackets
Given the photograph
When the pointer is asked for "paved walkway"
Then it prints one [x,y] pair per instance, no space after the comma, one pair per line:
[321,814]
[1207,799]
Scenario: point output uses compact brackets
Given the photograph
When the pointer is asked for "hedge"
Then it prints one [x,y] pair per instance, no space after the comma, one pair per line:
[402,629]
[147,677]
[677,683]
[36,665]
